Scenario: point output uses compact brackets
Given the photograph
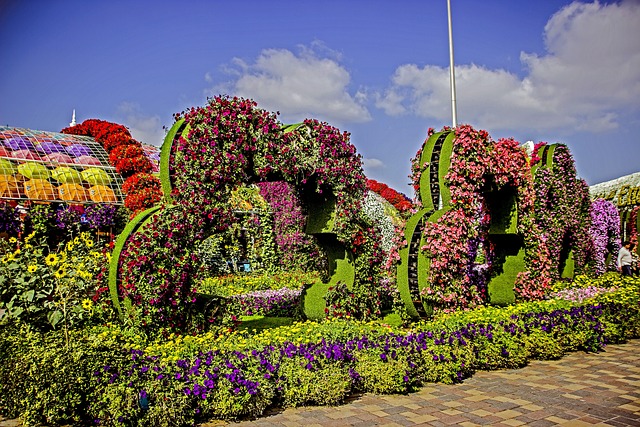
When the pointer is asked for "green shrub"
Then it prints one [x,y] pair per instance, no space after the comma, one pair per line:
[47,380]
[303,382]
[498,347]
[384,373]
[540,345]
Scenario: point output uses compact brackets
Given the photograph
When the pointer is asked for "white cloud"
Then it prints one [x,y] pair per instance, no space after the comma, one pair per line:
[588,74]
[144,128]
[299,86]
[373,164]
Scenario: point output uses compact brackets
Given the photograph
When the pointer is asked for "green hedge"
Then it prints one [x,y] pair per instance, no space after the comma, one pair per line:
[121,378]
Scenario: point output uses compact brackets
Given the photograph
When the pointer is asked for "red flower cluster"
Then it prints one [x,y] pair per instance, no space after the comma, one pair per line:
[143,191]
[398,200]
[130,160]
[127,156]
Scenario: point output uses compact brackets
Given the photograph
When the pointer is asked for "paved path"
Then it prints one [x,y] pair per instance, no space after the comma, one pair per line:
[581,389]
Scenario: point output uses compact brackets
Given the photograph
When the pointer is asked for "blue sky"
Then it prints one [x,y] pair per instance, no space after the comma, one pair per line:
[552,70]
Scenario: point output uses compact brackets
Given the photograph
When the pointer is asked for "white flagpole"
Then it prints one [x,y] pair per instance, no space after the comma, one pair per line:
[452,77]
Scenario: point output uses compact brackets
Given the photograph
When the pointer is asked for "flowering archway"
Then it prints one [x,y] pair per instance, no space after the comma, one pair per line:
[209,152]
[495,225]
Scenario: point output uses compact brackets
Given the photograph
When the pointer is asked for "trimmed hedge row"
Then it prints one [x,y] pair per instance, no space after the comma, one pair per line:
[114,377]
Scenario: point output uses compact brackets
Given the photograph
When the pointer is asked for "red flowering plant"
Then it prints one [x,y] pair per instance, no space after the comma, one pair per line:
[117,139]
[217,153]
[511,164]
[448,240]
[156,271]
[398,200]
[478,164]
[227,143]
[129,160]
[142,190]
[97,129]
[295,248]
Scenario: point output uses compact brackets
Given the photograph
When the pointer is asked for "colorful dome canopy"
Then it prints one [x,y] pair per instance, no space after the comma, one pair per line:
[48,166]
[16,143]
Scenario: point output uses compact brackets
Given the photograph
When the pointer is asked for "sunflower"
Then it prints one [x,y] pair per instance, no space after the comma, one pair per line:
[32,268]
[13,240]
[51,259]
[60,273]
[87,304]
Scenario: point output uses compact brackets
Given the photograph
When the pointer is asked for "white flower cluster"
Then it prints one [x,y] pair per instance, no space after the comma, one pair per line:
[375,209]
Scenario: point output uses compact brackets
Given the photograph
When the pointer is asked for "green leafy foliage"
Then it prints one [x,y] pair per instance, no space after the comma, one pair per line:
[123,378]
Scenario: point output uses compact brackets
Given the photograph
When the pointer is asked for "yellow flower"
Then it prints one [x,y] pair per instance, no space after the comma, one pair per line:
[13,240]
[32,268]
[9,258]
[69,246]
[51,259]
[60,273]
[87,304]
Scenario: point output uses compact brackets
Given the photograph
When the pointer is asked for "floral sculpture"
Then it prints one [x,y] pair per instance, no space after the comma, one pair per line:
[491,222]
[208,153]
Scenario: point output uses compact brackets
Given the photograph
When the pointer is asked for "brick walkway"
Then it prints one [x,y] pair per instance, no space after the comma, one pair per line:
[581,389]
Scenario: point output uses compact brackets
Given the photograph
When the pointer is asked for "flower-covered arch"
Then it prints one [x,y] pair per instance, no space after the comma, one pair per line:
[492,221]
[209,152]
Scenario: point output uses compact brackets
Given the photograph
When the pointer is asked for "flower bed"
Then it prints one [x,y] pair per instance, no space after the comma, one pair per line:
[272,302]
[114,377]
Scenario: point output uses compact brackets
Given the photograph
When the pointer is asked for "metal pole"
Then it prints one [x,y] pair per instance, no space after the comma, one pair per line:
[452,76]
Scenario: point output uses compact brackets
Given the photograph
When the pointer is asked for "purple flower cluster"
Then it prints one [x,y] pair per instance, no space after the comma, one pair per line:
[605,232]
[580,294]
[9,219]
[296,248]
[101,216]
[69,217]
[280,302]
